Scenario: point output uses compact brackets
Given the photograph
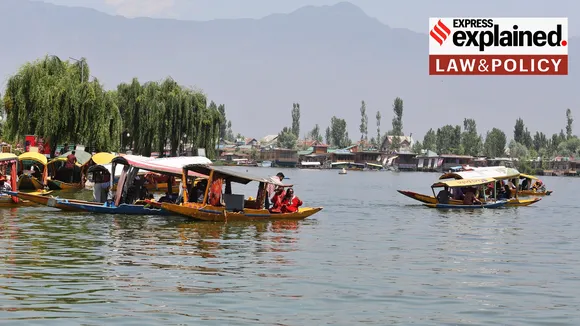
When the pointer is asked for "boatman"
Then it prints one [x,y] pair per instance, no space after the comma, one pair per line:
[71,160]
[271,189]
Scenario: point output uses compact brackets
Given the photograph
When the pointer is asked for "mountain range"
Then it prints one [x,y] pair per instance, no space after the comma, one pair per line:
[327,58]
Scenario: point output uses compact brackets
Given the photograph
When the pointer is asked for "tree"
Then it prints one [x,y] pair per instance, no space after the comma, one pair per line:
[471,142]
[417,148]
[397,123]
[296,120]
[338,133]
[364,121]
[519,130]
[55,100]
[328,136]
[287,139]
[225,124]
[449,139]
[569,121]
[495,143]
[430,140]
[540,141]
[315,134]
[378,117]
[230,132]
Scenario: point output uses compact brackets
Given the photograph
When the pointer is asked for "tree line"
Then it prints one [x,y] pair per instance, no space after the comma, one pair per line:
[59,101]
[449,139]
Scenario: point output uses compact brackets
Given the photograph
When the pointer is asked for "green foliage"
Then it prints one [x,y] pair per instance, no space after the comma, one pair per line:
[449,140]
[397,123]
[495,143]
[378,117]
[569,121]
[287,139]
[315,134]
[296,120]
[430,141]
[54,99]
[417,147]
[338,133]
[364,121]
[328,136]
[471,141]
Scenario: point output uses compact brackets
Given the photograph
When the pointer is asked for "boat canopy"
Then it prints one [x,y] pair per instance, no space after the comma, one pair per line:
[33,156]
[170,165]
[230,175]
[496,172]
[103,158]
[527,176]
[463,182]
[82,156]
[8,157]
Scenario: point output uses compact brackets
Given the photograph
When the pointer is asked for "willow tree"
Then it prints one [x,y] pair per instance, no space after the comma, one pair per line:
[54,99]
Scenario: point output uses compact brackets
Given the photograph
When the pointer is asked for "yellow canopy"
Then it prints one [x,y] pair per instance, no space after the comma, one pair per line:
[61,159]
[528,176]
[33,156]
[103,158]
[463,182]
[8,157]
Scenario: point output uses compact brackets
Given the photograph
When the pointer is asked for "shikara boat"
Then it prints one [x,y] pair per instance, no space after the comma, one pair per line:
[41,198]
[128,199]
[527,181]
[461,183]
[62,179]
[33,170]
[234,207]
[427,199]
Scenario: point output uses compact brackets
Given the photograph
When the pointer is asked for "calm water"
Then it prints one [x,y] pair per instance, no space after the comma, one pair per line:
[371,256]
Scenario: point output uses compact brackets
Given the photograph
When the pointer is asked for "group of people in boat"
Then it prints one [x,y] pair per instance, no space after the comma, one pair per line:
[537,186]
[469,195]
[280,200]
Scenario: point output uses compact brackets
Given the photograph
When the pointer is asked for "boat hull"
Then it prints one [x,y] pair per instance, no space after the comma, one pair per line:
[124,209]
[533,193]
[7,202]
[26,182]
[431,200]
[218,214]
[42,198]
[59,185]
[497,204]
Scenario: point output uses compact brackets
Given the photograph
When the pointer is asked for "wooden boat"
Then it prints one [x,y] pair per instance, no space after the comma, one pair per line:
[496,204]
[56,178]
[461,183]
[42,198]
[531,192]
[236,208]
[512,202]
[126,200]
[29,179]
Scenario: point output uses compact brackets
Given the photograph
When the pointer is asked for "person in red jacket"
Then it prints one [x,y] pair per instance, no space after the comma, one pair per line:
[290,203]
[277,200]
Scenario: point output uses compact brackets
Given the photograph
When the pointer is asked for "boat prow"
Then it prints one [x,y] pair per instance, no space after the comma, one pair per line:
[497,204]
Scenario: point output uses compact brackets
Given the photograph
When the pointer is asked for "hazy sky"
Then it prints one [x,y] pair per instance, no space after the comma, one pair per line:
[410,14]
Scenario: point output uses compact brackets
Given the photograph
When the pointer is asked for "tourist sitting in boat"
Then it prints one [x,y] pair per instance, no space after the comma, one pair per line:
[443,195]
[4,186]
[277,200]
[167,198]
[290,203]
[538,186]
[525,184]
[458,193]
[470,198]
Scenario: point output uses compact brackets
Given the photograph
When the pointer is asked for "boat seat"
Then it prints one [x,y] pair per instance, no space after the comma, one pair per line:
[234,202]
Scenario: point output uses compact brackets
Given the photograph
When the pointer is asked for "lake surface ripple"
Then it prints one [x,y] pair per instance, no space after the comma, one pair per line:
[370,257]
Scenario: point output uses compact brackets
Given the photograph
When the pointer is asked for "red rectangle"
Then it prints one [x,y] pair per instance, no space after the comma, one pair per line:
[491,64]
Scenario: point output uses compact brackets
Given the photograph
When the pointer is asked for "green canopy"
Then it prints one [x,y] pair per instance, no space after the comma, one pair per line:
[82,156]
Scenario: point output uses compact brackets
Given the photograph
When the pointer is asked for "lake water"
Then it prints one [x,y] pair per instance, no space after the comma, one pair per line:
[372,256]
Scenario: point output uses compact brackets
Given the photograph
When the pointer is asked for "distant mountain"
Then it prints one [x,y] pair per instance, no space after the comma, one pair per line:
[326,58]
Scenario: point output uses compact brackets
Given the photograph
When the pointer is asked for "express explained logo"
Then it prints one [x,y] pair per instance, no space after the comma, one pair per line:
[440,32]
[485,33]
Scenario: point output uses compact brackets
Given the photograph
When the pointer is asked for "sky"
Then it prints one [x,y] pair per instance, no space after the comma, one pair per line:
[411,14]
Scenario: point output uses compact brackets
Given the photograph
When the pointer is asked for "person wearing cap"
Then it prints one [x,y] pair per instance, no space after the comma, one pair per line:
[271,189]
[4,186]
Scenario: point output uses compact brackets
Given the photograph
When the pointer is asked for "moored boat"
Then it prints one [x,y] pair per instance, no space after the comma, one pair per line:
[42,198]
[60,178]
[32,171]
[217,206]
